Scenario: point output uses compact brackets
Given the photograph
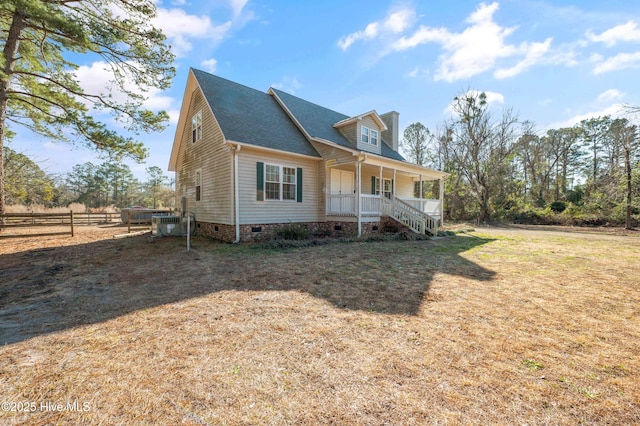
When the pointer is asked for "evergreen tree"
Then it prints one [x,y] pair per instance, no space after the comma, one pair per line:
[40,91]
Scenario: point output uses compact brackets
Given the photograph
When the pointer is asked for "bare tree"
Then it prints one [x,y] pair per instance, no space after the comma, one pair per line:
[626,136]
[480,146]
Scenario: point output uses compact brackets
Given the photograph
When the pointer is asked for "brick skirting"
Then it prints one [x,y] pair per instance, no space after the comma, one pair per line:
[264,232]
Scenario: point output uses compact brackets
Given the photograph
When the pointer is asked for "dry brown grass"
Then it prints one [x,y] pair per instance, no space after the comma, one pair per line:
[498,326]
[39,208]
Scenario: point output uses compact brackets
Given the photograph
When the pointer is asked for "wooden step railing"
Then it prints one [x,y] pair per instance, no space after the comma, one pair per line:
[409,216]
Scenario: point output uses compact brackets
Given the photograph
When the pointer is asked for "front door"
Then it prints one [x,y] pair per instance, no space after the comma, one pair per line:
[342,183]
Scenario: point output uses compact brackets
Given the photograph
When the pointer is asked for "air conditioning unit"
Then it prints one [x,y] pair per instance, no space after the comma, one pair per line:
[171,226]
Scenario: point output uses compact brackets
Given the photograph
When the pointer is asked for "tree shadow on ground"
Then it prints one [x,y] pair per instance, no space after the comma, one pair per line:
[48,290]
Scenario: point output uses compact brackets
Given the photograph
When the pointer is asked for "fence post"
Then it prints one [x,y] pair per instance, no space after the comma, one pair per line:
[128,221]
[71,215]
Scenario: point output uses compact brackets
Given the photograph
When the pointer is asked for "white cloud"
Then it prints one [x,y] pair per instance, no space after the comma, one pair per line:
[237,6]
[610,95]
[476,49]
[288,84]
[209,65]
[370,32]
[618,62]
[97,78]
[400,20]
[629,32]
[492,98]
[421,36]
[394,23]
[616,110]
[174,115]
[418,72]
[180,27]
[534,52]
[565,55]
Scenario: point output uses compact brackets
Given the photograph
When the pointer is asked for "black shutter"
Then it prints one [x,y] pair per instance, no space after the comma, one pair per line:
[260,181]
[299,184]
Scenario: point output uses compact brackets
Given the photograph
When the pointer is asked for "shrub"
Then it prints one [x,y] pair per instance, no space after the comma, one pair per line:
[558,206]
[294,231]
[576,195]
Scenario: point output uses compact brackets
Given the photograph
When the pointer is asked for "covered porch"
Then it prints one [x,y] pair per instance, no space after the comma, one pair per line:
[373,187]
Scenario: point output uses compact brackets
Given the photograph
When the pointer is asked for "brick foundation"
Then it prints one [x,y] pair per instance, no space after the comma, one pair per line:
[264,232]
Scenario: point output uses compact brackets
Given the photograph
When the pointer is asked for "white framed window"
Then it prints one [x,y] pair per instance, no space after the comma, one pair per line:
[198,184]
[369,136]
[373,137]
[196,127]
[387,186]
[364,135]
[280,182]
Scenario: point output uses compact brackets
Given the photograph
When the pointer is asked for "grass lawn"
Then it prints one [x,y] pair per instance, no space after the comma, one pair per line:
[496,326]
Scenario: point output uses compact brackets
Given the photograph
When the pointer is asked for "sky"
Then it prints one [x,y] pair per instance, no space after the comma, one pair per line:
[552,62]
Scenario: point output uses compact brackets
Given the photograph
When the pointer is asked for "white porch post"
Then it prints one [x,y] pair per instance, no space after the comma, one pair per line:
[421,205]
[441,196]
[358,198]
[380,182]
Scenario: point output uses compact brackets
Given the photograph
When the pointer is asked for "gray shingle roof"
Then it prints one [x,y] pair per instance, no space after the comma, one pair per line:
[318,121]
[250,116]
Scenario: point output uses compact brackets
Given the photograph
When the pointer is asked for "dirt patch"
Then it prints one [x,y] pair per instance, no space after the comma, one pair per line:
[496,326]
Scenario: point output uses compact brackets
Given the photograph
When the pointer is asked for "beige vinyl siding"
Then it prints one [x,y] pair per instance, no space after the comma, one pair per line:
[332,156]
[404,186]
[212,156]
[350,132]
[366,183]
[272,211]
[369,122]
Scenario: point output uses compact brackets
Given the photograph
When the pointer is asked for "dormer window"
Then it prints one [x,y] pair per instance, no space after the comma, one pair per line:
[196,127]
[369,136]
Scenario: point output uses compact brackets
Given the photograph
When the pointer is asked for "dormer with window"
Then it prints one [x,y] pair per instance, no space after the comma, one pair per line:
[364,131]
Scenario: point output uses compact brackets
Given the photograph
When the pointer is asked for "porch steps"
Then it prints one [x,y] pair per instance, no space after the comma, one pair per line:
[409,216]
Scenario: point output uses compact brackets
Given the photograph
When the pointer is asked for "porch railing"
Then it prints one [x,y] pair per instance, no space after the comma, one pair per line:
[370,205]
[341,204]
[425,205]
[345,205]
[373,205]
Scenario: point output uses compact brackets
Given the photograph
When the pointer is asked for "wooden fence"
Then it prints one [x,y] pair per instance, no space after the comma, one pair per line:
[70,219]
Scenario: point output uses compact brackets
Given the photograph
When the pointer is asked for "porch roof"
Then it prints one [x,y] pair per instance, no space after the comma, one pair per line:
[369,159]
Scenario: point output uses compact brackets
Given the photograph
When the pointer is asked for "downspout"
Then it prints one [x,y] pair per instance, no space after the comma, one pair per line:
[441,201]
[236,191]
[358,197]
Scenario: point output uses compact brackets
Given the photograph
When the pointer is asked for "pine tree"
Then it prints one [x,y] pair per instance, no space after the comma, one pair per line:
[40,91]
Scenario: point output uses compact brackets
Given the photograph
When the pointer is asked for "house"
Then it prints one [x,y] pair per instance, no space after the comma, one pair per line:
[248,162]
